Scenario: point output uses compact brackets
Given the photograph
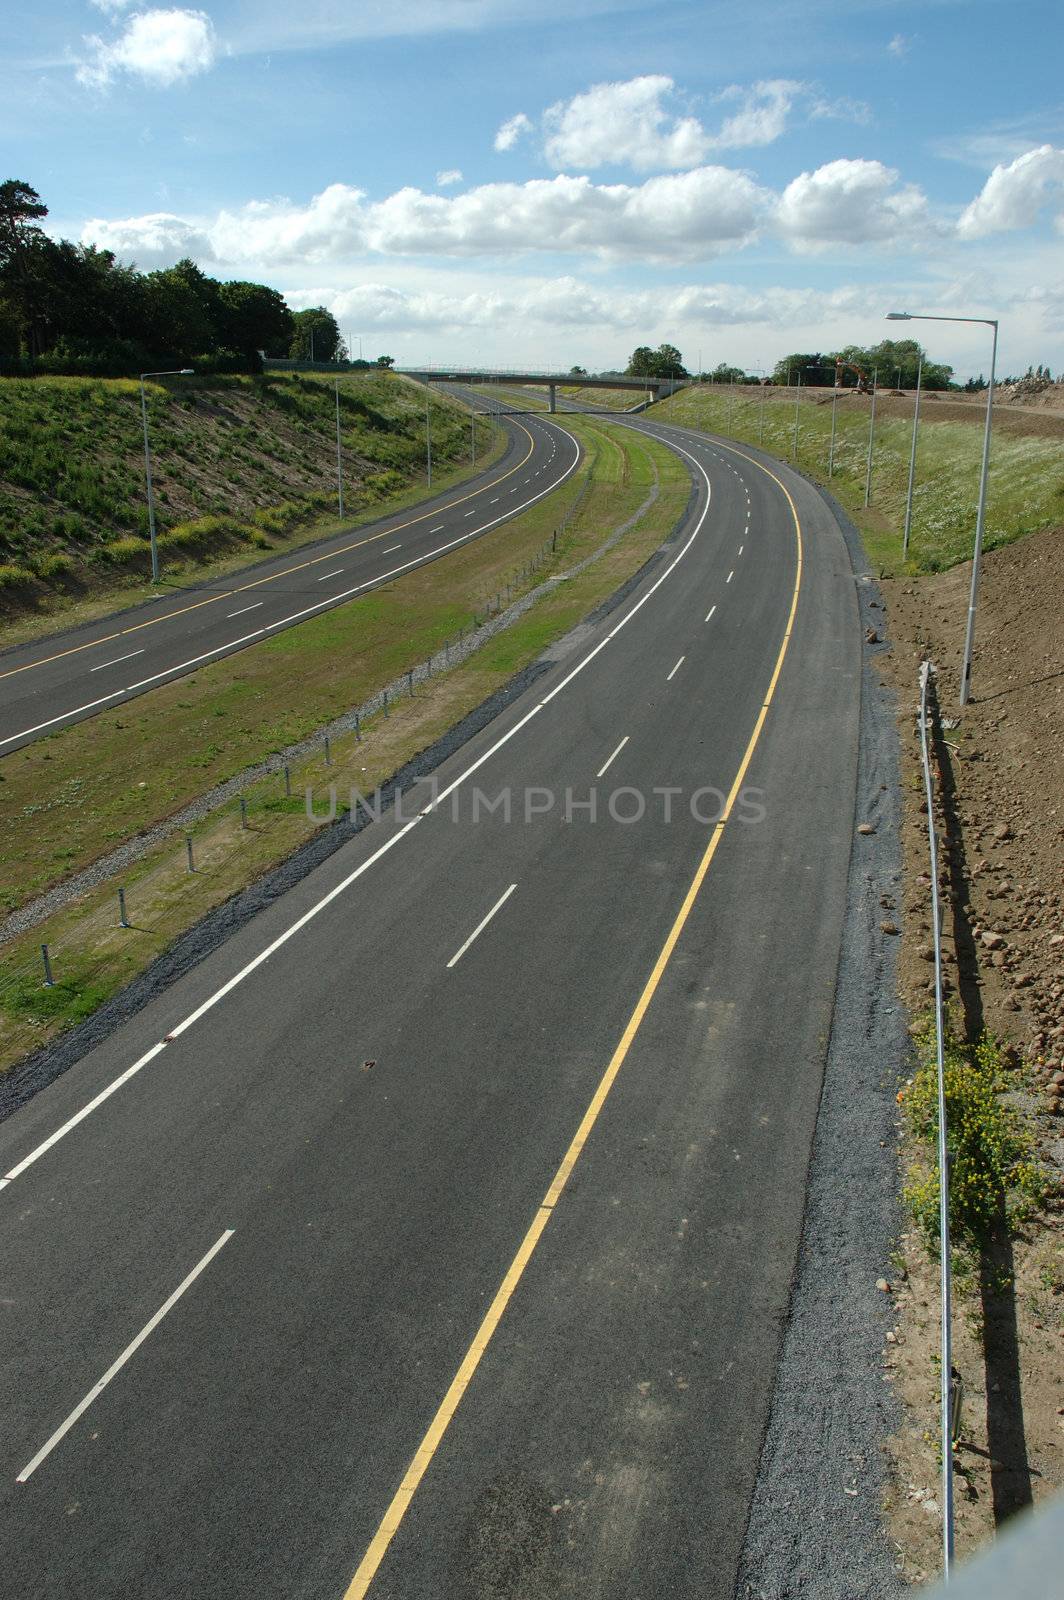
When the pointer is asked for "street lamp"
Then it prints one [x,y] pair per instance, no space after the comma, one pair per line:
[178,372]
[339,457]
[797,403]
[969,634]
[912,462]
[871,437]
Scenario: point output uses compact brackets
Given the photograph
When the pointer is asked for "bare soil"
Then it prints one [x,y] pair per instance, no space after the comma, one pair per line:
[1000,770]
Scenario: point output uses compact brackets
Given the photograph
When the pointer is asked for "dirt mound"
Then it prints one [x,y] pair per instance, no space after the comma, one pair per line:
[1000,767]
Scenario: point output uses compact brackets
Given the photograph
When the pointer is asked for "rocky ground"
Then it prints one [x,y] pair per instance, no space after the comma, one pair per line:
[1000,766]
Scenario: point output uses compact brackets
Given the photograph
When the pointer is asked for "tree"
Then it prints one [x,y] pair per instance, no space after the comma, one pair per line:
[316,336]
[664,362]
[253,318]
[386,361]
[21,242]
[578,372]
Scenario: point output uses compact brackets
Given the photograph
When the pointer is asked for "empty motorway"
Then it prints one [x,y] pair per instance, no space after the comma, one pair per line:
[66,677]
[434,1236]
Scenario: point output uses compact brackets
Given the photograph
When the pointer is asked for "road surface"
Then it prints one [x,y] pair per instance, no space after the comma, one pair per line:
[67,677]
[434,1237]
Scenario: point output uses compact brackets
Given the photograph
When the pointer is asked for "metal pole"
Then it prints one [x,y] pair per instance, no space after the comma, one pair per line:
[946,1372]
[188,852]
[339,457]
[969,635]
[49,981]
[123,920]
[473,431]
[243,812]
[328,752]
[797,403]
[151,497]
[871,436]
[831,446]
[287,784]
[428,435]
[761,431]
[912,464]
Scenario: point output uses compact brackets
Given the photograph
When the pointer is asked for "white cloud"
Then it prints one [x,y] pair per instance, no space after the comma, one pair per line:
[1014,194]
[512,129]
[763,116]
[161,47]
[676,216]
[615,123]
[448,178]
[636,124]
[112,6]
[156,240]
[852,202]
[899,46]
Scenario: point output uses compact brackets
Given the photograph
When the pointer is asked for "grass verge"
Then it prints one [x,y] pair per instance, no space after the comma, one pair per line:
[1026,484]
[240,465]
[212,726]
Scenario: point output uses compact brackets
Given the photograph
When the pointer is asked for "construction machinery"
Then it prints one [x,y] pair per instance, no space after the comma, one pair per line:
[863,386]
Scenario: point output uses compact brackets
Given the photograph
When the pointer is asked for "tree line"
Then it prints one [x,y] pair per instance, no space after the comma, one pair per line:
[68,307]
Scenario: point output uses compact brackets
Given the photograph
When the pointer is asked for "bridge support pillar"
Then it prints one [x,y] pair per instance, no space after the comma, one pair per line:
[553,396]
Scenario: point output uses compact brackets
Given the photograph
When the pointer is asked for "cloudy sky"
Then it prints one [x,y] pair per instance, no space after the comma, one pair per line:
[515,181]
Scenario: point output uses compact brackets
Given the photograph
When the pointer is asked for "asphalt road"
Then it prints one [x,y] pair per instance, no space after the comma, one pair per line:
[67,677]
[454,1202]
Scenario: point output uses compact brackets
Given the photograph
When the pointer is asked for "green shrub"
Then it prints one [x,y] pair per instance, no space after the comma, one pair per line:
[54,566]
[12,577]
[123,552]
[993,1173]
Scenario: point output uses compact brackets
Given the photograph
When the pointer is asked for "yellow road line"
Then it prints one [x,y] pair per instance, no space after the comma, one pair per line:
[227,594]
[378,1547]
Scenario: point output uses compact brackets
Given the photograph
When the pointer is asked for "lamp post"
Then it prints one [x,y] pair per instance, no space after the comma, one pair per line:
[174,372]
[969,634]
[871,437]
[428,434]
[912,462]
[797,403]
[339,457]
[831,446]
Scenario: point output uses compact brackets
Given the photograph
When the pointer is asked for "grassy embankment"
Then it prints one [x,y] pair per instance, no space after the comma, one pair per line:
[184,738]
[1026,486]
[241,466]
[605,399]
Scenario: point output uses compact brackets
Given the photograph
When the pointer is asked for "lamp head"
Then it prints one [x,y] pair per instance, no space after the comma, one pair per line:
[899,316]
[186,372]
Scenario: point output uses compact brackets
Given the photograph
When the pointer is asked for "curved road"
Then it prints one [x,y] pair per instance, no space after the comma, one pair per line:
[67,677]
[434,1237]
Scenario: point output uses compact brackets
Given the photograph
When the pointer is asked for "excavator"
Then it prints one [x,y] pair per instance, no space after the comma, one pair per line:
[863,386]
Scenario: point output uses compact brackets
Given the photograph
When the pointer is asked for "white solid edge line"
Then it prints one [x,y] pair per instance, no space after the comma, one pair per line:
[116,1367]
[710,612]
[116,660]
[389,844]
[243,609]
[602,770]
[294,616]
[675,669]
[479,929]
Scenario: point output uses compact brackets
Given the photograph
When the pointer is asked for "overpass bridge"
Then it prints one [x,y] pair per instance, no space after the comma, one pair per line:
[551,381]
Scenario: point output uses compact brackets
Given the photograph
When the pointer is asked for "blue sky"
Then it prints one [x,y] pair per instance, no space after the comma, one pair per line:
[507,181]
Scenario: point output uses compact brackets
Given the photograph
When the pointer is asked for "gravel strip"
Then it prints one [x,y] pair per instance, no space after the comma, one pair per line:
[816,1529]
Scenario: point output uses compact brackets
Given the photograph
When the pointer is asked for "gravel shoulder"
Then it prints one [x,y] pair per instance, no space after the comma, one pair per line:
[815,1527]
